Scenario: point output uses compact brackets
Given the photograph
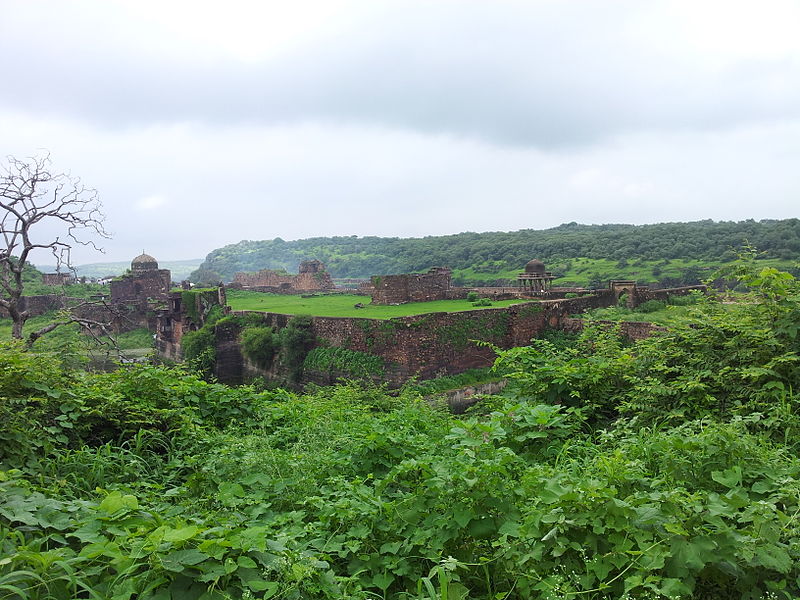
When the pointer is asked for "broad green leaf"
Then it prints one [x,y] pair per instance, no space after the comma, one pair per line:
[181,534]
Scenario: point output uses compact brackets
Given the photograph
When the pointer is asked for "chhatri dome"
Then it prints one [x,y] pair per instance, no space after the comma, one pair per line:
[535,267]
[144,262]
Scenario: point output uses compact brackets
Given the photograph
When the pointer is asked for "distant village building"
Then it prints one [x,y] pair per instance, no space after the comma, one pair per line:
[535,279]
[144,282]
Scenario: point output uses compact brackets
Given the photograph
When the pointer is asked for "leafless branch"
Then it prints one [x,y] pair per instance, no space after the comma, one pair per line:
[32,194]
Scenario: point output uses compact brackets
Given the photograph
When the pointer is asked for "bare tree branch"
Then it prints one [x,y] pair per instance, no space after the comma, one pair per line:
[32,195]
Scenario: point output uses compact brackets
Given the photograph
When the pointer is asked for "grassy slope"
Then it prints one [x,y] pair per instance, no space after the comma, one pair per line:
[343,305]
[580,271]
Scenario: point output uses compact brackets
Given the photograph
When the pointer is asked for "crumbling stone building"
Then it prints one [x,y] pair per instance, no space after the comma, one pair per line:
[57,278]
[144,282]
[415,287]
[312,277]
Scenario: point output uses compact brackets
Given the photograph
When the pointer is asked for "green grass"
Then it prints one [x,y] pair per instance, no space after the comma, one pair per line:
[342,305]
[69,337]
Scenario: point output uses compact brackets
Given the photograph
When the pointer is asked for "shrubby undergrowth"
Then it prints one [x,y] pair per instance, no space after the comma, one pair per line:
[665,469]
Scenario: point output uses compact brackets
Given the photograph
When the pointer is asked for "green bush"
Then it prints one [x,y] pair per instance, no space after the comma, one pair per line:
[295,340]
[259,345]
[472,296]
[199,351]
[651,306]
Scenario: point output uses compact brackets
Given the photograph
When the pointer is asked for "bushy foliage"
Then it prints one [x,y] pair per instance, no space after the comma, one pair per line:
[663,469]
[199,350]
[295,340]
[259,344]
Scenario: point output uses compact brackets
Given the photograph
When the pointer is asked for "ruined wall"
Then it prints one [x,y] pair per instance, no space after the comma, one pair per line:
[57,278]
[281,283]
[184,311]
[38,305]
[141,286]
[415,287]
[631,330]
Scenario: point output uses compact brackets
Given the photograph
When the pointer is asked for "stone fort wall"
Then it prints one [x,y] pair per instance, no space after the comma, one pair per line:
[432,344]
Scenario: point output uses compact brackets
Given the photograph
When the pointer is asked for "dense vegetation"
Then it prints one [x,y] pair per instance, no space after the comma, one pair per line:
[664,469]
[476,257]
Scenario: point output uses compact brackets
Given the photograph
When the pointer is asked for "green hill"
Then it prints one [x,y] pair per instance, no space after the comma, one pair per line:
[648,252]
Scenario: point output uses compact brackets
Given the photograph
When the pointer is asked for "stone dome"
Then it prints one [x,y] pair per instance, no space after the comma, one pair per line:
[144,262]
[535,267]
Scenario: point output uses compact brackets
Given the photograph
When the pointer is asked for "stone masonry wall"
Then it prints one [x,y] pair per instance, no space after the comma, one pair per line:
[414,287]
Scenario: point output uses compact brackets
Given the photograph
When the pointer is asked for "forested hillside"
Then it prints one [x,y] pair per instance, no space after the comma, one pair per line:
[484,256]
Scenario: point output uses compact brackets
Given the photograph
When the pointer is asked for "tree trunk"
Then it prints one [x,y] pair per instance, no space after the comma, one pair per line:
[18,323]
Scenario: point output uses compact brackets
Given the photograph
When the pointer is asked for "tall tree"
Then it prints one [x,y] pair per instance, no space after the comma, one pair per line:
[41,210]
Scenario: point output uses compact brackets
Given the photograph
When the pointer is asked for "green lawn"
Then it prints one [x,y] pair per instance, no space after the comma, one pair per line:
[342,305]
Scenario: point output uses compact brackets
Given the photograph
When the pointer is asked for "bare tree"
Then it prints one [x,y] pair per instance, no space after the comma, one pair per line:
[35,202]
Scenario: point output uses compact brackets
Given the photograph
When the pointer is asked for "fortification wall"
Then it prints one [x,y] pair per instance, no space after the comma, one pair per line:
[425,345]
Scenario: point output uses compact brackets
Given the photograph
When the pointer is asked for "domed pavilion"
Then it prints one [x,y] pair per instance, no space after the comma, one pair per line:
[535,279]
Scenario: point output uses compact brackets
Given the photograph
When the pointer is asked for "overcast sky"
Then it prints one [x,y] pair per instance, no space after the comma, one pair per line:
[205,123]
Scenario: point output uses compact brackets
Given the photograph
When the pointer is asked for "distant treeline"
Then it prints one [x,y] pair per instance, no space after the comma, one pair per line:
[504,251]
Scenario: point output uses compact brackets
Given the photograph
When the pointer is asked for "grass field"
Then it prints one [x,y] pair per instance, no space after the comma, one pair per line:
[341,305]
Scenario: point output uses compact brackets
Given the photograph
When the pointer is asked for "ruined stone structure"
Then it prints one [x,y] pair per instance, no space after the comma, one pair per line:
[415,287]
[144,282]
[185,311]
[535,279]
[312,277]
[57,278]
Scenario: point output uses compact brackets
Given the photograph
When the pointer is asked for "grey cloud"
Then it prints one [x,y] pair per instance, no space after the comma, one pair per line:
[510,73]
